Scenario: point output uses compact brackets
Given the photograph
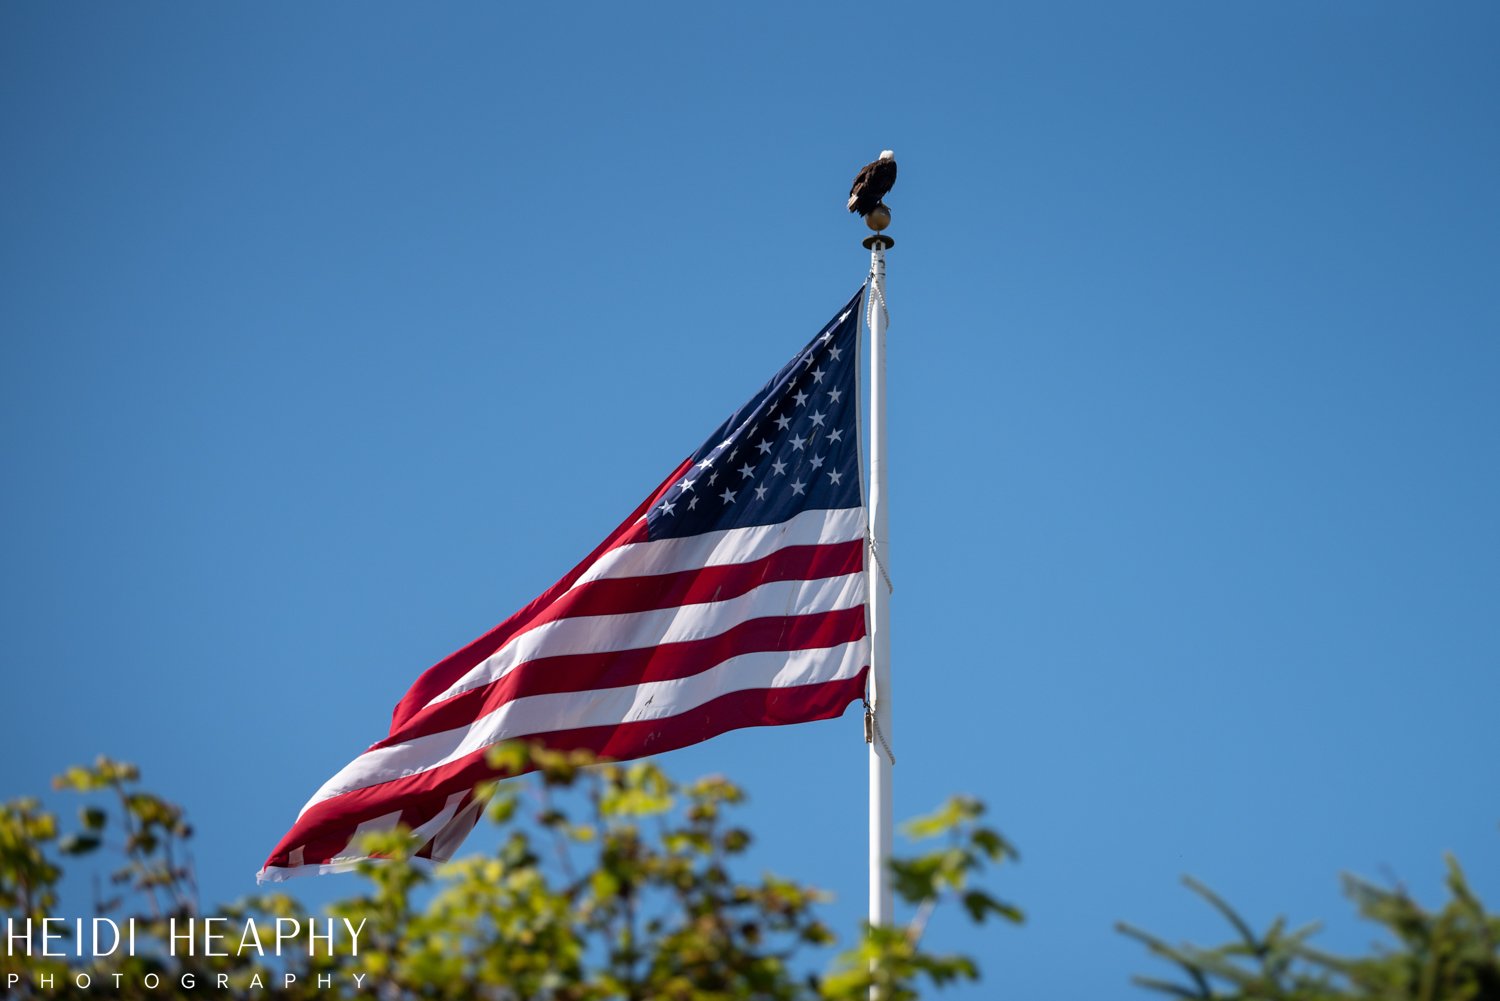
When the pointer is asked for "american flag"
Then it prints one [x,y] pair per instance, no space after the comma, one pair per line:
[734,596]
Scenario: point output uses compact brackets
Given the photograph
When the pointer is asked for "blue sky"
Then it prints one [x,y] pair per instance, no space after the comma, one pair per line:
[333,333]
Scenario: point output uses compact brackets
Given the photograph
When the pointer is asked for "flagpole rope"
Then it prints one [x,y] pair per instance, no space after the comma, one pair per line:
[878,288]
[877,294]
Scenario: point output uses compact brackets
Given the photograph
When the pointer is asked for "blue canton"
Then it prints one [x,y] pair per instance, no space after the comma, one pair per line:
[793,447]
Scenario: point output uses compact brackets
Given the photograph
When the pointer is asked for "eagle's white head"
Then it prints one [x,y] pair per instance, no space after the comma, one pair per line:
[887,154]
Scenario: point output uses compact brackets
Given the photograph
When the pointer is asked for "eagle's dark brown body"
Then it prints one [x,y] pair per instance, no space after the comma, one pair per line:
[872,183]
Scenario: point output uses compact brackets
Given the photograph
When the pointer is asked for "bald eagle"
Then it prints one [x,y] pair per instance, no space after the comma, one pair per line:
[872,182]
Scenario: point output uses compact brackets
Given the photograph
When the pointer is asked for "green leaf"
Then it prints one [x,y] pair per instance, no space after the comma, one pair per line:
[605,885]
[980,905]
[78,844]
[994,846]
[948,816]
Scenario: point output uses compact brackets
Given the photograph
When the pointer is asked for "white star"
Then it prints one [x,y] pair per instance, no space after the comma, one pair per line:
[746,470]
[692,503]
[835,352]
[817,462]
[705,463]
[778,467]
[835,476]
[783,422]
[835,394]
[837,434]
[797,486]
[818,374]
[733,454]
[727,496]
[800,397]
[667,506]
[817,418]
[807,362]
[711,479]
[797,443]
[764,446]
[687,485]
[760,492]
[726,442]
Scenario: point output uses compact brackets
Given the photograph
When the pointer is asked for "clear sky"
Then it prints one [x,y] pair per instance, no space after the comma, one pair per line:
[332,333]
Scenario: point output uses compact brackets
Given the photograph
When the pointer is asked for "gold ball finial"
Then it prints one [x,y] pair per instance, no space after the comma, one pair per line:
[878,218]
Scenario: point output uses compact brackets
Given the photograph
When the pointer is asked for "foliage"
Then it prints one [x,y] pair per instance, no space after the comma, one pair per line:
[609,881]
[1448,955]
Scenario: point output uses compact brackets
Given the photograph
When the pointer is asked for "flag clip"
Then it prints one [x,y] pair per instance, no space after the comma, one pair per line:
[872,731]
[879,563]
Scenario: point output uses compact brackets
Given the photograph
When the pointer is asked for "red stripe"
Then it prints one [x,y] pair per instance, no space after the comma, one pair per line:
[618,596]
[445,673]
[620,668]
[326,827]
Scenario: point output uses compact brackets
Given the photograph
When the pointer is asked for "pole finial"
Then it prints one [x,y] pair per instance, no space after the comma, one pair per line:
[878,218]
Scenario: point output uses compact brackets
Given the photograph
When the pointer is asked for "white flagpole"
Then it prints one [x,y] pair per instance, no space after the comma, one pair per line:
[878,715]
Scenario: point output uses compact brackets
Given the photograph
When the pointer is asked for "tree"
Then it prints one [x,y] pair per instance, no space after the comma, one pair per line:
[1452,954]
[609,881]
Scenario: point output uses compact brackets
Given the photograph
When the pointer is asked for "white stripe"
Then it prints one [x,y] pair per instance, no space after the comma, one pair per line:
[818,527]
[637,630]
[446,841]
[280,874]
[427,831]
[537,714]
[385,822]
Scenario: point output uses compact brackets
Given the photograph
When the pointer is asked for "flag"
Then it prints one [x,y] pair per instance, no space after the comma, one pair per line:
[734,596]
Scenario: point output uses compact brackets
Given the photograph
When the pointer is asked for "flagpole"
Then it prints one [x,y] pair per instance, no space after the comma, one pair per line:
[878,714]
